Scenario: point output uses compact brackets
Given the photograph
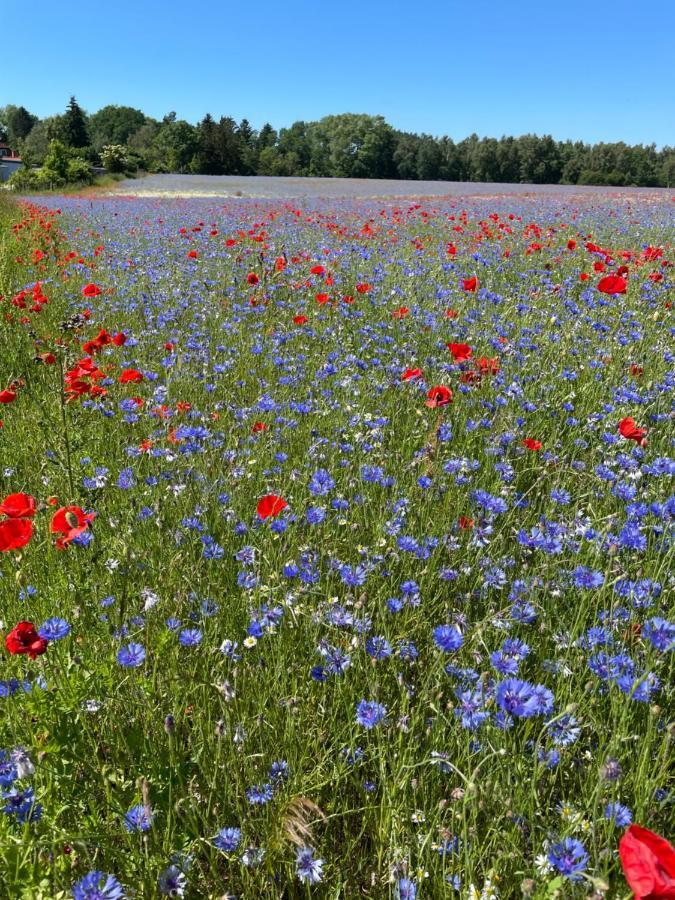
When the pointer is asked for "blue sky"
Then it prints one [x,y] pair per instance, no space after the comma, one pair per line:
[584,70]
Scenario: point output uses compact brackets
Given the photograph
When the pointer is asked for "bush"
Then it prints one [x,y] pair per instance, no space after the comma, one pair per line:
[115,158]
[78,170]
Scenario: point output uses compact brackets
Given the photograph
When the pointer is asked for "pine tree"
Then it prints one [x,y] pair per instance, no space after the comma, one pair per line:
[74,125]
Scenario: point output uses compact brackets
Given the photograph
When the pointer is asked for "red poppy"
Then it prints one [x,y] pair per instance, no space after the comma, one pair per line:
[120,339]
[470,284]
[18,506]
[488,366]
[132,376]
[363,288]
[91,290]
[401,312]
[7,396]
[465,523]
[193,254]
[317,270]
[321,299]
[71,522]
[460,352]
[300,320]
[629,430]
[270,506]
[636,370]
[571,245]
[252,278]
[648,863]
[612,284]
[532,444]
[23,638]
[14,534]
[411,374]
[451,314]
[438,396]
[258,426]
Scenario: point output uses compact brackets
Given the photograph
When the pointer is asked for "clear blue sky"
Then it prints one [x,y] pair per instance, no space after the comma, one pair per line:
[592,70]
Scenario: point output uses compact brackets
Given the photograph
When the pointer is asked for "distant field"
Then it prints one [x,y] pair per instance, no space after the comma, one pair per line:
[258,186]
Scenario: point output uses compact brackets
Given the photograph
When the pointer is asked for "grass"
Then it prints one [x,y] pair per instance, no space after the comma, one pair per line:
[286,610]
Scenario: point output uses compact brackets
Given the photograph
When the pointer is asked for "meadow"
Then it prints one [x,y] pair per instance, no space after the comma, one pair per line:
[336,545]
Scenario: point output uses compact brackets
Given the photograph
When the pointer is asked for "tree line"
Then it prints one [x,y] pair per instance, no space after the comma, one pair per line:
[350,145]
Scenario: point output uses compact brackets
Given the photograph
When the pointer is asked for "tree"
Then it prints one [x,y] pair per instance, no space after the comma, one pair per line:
[114,125]
[74,126]
[352,146]
[19,123]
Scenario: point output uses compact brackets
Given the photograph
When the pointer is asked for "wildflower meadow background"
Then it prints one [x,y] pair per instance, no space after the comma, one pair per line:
[335,545]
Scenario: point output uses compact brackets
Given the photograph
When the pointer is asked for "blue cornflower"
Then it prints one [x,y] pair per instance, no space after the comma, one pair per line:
[378,647]
[569,857]
[448,637]
[21,805]
[369,713]
[259,794]
[583,577]
[522,699]
[471,711]
[227,839]
[172,882]
[54,629]
[98,886]
[406,889]
[307,867]
[564,731]
[315,515]
[126,479]
[190,637]
[321,482]
[660,633]
[138,819]
[619,814]
[131,656]
[279,771]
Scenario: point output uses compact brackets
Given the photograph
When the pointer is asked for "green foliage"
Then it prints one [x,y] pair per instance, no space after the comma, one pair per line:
[74,131]
[347,145]
[114,125]
[115,158]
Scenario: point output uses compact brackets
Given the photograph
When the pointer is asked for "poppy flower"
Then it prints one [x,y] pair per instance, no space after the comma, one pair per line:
[18,506]
[401,312]
[71,522]
[317,270]
[648,863]
[7,396]
[629,430]
[252,278]
[488,366]
[300,320]
[460,352]
[258,426]
[465,523]
[411,374]
[193,254]
[130,376]
[23,638]
[470,284]
[119,339]
[91,290]
[14,534]
[321,299]
[438,396]
[531,444]
[270,506]
[451,314]
[612,284]
[363,288]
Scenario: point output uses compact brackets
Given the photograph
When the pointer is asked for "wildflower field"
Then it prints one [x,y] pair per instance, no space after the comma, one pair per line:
[336,548]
